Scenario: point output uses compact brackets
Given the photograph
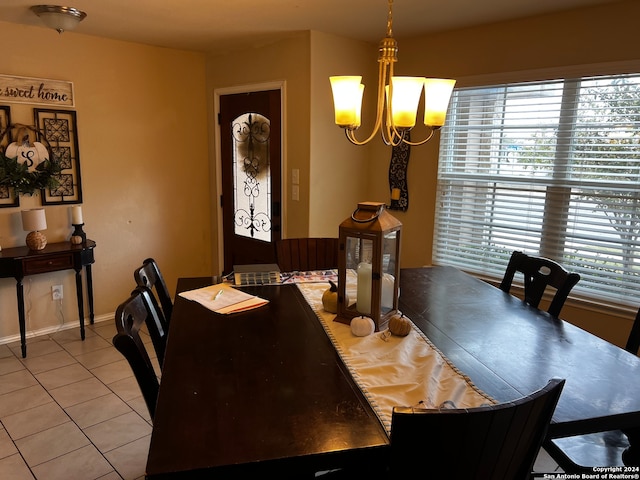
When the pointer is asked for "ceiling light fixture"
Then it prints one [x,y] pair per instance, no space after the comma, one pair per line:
[398,98]
[59,18]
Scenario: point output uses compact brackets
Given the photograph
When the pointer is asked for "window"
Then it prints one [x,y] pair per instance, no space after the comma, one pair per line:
[550,168]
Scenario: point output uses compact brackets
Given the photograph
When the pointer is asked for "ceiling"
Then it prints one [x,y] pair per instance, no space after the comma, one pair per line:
[217,26]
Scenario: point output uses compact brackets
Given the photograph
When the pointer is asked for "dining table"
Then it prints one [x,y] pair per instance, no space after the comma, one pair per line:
[265,391]
[256,393]
[510,348]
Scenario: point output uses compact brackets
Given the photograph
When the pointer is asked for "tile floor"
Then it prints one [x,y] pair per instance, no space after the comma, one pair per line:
[72,410]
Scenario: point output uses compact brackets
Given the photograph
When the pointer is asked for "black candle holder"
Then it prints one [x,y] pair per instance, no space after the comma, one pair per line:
[78,235]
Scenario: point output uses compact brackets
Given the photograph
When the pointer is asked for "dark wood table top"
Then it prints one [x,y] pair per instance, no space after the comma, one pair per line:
[258,391]
[265,392]
[509,349]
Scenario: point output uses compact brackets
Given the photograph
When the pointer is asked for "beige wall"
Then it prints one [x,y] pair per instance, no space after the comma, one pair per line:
[285,61]
[340,172]
[589,41]
[335,175]
[605,33]
[146,132]
[142,130]
[498,52]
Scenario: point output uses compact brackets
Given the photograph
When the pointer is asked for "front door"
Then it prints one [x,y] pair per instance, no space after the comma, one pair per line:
[250,142]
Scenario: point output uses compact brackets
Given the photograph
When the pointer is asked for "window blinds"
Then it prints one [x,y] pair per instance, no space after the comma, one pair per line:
[550,168]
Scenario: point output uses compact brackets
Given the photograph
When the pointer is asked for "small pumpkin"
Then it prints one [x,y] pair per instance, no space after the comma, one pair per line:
[399,325]
[27,152]
[330,298]
[362,326]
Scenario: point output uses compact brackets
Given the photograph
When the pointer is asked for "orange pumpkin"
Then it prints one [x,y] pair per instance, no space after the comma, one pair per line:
[399,325]
[330,299]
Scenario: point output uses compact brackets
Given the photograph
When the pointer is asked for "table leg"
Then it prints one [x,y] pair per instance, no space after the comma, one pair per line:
[21,316]
[80,301]
[90,292]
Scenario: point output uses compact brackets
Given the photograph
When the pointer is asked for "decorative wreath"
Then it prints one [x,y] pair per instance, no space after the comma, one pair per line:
[17,175]
[24,176]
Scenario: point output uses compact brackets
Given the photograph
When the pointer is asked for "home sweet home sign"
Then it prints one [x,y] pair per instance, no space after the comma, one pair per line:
[36,91]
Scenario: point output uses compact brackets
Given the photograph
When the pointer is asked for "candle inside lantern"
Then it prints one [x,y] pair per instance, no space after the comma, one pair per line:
[76,215]
[388,283]
[395,194]
[363,301]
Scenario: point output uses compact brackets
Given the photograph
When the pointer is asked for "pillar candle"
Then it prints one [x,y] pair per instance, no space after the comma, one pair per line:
[388,283]
[363,301]
[76,215]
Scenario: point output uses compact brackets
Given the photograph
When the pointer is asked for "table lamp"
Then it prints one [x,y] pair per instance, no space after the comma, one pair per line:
[33,221]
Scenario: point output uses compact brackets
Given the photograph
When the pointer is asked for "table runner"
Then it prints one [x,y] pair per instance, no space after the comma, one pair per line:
[401,371]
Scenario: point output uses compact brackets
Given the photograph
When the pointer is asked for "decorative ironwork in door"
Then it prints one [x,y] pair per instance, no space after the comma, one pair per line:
[252,176]
[250,146]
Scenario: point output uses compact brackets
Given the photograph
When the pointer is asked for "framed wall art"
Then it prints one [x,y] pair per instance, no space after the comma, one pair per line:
[59,130]
[8,198]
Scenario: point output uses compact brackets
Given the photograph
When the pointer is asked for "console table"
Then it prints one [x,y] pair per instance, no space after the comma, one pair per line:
[19,262]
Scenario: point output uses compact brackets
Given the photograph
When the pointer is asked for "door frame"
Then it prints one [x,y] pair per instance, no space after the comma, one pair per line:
[216,192]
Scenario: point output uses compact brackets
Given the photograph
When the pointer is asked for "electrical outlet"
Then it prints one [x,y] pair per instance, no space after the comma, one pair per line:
[56,292]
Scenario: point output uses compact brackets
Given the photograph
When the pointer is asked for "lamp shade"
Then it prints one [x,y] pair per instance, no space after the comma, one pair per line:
[405,98]
[437,92]
[347,100]
[34,220]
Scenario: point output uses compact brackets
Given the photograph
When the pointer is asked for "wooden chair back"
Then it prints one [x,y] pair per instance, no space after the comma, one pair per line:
[489,442]
[303,254]
[149,275]
[540,273]
[131,316]
[633,342]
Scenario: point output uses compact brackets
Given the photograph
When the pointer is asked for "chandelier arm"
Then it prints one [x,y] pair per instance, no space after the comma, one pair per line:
[390,136]
[421,142]
[382,78]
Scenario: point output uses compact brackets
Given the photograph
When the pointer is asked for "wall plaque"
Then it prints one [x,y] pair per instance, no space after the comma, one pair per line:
[36,91]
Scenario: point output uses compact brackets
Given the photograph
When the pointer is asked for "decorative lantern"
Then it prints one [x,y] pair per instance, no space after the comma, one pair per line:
[369,265]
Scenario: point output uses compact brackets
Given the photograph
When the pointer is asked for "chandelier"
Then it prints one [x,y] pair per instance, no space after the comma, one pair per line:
[398,98]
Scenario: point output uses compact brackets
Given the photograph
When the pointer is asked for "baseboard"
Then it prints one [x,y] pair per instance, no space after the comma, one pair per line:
[58,328]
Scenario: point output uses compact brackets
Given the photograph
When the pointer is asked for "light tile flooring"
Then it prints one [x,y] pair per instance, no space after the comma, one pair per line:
[72,410]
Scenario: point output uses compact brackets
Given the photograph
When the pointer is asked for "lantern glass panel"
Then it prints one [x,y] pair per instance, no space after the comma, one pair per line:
[389,261]
[359,253]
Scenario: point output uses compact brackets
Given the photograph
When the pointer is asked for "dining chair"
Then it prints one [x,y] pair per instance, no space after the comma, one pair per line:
[580,453]
[303,254]
[489,442]
[149,275]
[540,273]
[131,316]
